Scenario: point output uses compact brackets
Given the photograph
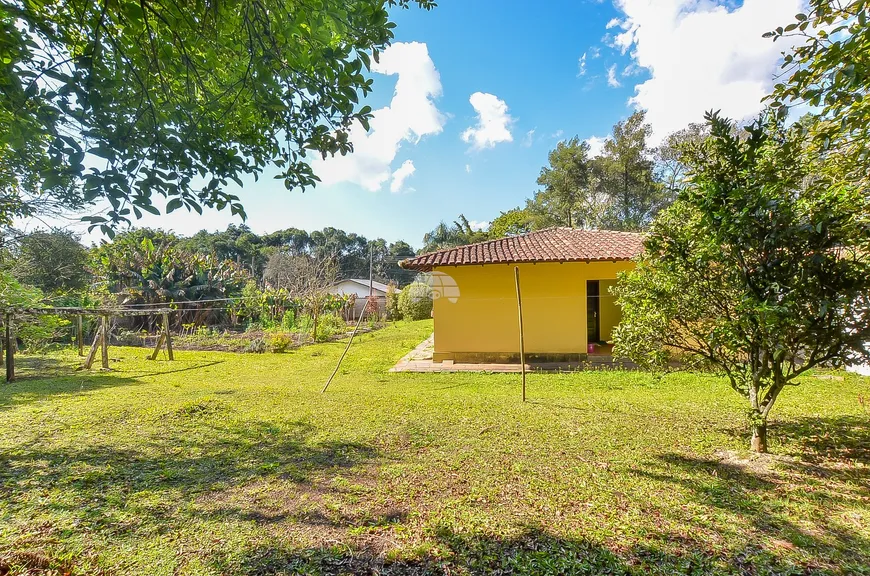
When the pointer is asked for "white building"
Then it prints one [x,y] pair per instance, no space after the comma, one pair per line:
[360,287]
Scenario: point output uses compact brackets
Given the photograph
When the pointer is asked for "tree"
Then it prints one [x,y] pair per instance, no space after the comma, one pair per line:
[138,99]
[447,236]
[566,198]
[397,252]
[415,301]
[237,243]
[831,71]
[151,267]
[624,176]
[349,250]
[53,261]
[309,280]
[300,275]
[670,170]
[392,302]
[514,221]
[761,269]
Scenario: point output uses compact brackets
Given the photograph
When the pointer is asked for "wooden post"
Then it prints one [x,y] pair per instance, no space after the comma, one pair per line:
[10,350]
[168,337]
[104,343]
[80,341]
[160,338]
[522,343]
[92,353]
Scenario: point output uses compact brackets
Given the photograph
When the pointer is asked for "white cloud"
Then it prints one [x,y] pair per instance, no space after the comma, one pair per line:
[493,122]
[594,52]
[596,145]
[557,134]
[529,138]
[612,81]
[613,22]
[475,225]
[400,175]
[581,65]
[468,168]
[411,115]
[701,56]
[632,70]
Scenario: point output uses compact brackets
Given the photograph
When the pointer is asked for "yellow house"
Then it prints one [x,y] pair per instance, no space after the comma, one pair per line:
[565,278]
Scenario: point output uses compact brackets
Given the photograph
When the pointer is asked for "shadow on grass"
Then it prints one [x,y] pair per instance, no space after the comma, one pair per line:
[110,488]
[39,377]
[26,390]
[38,366]
[769,492]
[817,440]
[534,551]
[199,366]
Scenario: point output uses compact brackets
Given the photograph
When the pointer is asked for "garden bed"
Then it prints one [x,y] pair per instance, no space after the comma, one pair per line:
[247,342]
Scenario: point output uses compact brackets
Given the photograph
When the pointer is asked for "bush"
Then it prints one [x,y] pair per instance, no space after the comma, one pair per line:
[415,301]
[329,325]
[288,322]
[257,346]
[393,312]
[279,342]
[303,324]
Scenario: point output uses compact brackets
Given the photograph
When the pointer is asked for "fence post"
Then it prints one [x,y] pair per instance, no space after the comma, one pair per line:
[80,341]
[168,337]
[104,343]
[89,360]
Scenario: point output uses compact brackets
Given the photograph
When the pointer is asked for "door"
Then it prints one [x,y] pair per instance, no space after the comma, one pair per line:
[593,311]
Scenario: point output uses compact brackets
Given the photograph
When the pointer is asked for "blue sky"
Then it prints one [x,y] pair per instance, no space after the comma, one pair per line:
[540,72]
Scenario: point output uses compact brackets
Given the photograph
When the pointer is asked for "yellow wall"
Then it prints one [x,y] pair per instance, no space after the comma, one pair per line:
[608,310]
[475,307]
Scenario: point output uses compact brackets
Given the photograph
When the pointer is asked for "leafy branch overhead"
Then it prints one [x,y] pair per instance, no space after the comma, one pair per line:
[829,69]
[132,99]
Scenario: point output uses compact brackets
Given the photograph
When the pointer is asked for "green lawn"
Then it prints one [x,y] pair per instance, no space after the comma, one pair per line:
[236,464]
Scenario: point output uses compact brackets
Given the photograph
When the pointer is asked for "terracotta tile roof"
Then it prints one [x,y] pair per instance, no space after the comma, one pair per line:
[550,245]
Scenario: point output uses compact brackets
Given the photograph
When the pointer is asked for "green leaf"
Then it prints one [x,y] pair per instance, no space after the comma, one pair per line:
[174,205]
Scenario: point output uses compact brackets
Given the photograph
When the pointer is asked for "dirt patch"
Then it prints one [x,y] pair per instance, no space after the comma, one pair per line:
[316,512]
[759,464]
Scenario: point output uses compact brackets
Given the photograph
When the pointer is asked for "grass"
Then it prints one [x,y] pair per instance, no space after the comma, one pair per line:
[236,464]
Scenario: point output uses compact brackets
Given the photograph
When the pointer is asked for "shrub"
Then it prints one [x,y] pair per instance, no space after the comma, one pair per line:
[415,301]
[329,325]
[279,342]
[393,312]
[257,346]
[303,324]
[288,322]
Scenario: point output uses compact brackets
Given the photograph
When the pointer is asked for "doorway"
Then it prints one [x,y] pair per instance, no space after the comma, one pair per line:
[593,312]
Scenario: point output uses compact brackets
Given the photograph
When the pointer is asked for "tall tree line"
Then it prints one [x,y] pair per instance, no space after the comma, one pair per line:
[153,265]
[622,188]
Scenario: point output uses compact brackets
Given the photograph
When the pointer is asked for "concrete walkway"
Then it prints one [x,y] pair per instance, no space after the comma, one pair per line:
[420,360]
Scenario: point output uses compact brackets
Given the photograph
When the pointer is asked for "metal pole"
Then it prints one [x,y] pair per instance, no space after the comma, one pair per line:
[10,350]
[522,343]
[346,348]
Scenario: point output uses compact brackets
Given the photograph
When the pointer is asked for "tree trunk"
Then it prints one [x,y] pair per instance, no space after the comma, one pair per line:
[759,437]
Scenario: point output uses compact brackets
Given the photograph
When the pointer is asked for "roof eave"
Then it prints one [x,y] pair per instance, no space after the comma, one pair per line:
[430,267]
